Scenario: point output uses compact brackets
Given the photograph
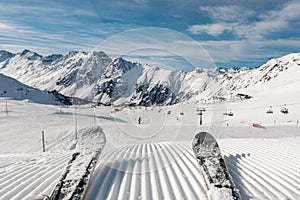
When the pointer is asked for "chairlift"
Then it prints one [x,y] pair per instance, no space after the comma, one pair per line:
[270,111]
[284,110]
[228,113]
[200,111]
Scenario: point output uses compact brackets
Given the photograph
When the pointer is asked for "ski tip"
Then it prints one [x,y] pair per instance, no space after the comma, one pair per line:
[203,137]
[201,134]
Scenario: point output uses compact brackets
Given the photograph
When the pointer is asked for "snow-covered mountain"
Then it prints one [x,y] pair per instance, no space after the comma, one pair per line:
[74,74]
[4,55]
[13,89]
[94,76]
[241,83]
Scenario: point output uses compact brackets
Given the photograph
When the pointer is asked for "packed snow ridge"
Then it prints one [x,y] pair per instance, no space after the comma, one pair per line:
[95,77]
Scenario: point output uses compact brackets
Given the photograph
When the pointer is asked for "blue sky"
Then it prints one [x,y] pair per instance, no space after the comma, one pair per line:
[180,34]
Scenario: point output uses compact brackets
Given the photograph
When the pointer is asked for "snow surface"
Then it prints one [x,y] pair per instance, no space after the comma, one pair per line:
[154,159]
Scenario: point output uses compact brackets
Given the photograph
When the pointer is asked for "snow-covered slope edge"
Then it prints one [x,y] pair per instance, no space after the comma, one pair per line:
[13,89]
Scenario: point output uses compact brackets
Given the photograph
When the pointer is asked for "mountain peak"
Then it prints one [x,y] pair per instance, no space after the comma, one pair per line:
[118,67]
[99,53]
[122,64]
[95,77]
[30,55]
[5,55]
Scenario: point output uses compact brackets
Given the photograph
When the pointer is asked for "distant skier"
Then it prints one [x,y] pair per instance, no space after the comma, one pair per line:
[140,120]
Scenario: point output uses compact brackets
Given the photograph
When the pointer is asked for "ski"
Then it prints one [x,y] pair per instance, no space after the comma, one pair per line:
[74,180]
[217,179]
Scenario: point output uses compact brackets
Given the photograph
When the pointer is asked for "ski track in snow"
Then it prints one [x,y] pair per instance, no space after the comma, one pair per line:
[148,171]
[166,170]
[261,170]
[170,171]
[264,163]
[25,176]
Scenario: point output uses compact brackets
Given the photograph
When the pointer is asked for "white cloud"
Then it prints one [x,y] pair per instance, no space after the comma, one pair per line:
[272,21]
[245,51]
[156,43]
[288,12]
[5,26]
[237,21]
[227,13]
[211,29]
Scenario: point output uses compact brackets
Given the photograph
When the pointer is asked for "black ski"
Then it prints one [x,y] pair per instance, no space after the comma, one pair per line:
[76,176]
[216,176]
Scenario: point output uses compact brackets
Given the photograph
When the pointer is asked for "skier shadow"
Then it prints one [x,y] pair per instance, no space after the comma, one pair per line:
[233,165]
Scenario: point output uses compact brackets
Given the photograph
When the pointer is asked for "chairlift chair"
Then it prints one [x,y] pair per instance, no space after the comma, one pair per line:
[270,111]
[228,113]
[284,110]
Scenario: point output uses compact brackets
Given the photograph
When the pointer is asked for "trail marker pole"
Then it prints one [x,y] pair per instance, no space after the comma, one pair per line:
[43,141]
[201,110]
[75,129]
[94,119]
[6,108]
[201,118]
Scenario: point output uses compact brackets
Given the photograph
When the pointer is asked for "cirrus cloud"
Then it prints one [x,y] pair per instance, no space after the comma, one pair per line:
[211,29]
[245,23]
[226,13]
[5,26]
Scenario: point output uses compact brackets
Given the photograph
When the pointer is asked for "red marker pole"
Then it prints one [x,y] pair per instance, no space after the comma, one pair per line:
[43,141]
[201,110]
[201,120]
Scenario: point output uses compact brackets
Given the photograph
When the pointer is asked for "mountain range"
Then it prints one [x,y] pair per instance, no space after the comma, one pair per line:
[11,88]
[95,77]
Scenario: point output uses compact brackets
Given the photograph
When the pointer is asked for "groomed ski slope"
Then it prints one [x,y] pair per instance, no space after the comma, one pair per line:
[260,169]
[27,176]
[264,170]
[152,160]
